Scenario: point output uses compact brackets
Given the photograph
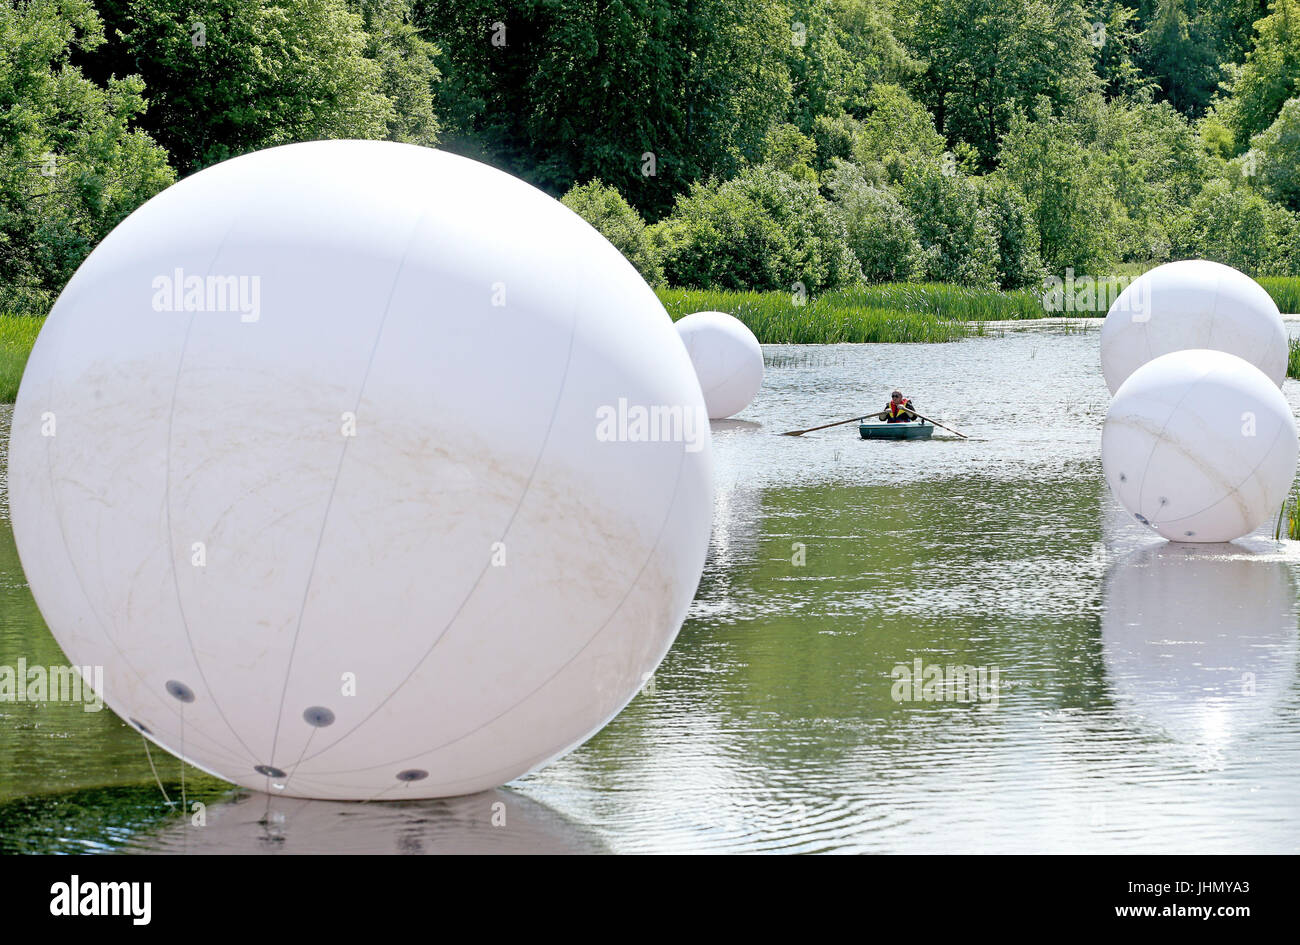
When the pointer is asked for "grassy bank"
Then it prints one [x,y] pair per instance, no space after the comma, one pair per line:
[878,313]
[838,316]
[891,312]
[905,311]
[17,335]
[1285,291]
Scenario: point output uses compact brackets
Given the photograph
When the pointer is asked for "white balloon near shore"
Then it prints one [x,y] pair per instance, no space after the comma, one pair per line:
[1200,446]
[728,361]
[1192,303]
[307,457]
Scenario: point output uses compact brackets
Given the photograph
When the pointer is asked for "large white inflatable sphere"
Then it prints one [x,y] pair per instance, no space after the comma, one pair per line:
[1200,446]
[364,470]
[1194,303]
[728,361]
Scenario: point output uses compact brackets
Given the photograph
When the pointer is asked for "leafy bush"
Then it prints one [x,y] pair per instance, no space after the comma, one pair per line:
[1276,151]
[263,74]
[1269,76]
[1070,195]
[1019,263]
[834,136]
[788,149]
[1232,224]
[880,230]
[957,236]
[896,123]
[604,208]
[71,163]
[760,230]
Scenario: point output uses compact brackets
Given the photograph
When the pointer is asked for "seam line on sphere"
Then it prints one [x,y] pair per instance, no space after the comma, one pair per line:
[1214,309]
[523,495]
[338,472]
[167,509]
[654,548]
[1160,436]
[1267,453]
[289,769]
[166,705]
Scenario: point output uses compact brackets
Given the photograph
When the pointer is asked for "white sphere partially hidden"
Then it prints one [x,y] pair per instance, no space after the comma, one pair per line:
[728,361]
[308,457]
[1200,446]
[1193,303]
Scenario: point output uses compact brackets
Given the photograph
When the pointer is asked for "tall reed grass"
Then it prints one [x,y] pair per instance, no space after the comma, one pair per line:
[1285,291]
[901,311]
[17,335]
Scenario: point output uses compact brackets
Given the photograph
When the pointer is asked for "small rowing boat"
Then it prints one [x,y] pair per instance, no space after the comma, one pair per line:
[913,430]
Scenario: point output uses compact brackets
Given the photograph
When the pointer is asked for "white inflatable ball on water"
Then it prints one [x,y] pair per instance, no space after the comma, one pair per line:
[1200,446]
[728,361]
[306,457]
[1193,303]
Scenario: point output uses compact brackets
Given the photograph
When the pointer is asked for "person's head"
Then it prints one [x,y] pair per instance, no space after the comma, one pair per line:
[896,397]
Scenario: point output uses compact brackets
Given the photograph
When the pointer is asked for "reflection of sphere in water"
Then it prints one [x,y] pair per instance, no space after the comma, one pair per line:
[1200,446]
[1193,303]
[342,526]
[490,822]
[728,360]
[1199,640]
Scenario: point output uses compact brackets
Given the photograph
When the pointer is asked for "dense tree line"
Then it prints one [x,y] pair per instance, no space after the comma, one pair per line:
[730,143]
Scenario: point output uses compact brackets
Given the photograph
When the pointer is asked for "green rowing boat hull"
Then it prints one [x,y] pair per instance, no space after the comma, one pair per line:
[895,431]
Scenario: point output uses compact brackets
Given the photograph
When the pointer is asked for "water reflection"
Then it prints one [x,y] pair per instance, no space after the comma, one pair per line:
[730,426]
[491,822]
[1199,641]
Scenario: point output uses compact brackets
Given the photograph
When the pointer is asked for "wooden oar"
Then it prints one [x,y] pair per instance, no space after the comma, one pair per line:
[837,423]
[935,422]
[840,423]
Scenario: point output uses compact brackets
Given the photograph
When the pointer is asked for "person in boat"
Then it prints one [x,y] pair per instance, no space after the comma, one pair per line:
[898,410]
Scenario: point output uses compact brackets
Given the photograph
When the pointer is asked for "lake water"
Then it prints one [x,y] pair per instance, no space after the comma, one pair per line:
[1126,694]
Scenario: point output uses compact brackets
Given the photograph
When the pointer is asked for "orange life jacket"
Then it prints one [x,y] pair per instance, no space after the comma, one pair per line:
[903,408]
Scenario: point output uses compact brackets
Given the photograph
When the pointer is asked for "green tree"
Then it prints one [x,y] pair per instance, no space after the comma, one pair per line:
[957,236]
[72,164]
[1269,76]
[834,137]
[1069,194]
[986,58]
[1019,263]
[1153,164]
[647,95]
[1231,224]
[880,230]
[605,209]
[1178,50]
[787,149]
[895,123]
[818,64]
[406,62]
[1276,152]
[761,230]
[869,33]
[1117,36]
[226,76]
